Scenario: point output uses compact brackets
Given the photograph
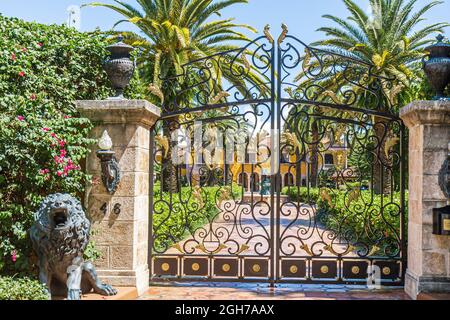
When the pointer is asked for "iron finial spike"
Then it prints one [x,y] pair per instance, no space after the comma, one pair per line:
[120,38]
[283,34]
[267,33]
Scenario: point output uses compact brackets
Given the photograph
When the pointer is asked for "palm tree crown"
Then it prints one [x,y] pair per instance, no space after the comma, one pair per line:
[389,38]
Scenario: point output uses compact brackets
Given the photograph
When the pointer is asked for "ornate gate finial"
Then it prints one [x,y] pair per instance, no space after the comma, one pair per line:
[283,34]
[267,33]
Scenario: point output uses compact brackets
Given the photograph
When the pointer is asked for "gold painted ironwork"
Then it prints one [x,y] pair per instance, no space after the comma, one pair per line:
[154,89]
[306,59]
[306,249]
[195,266]
[293,269]
[178,247]
[256,268]
[386,271]
[283,34]
[226,267]
[221,95]
[332,95]
[267,34]
[164,143]
[165,267]
[355,270]
[325,196]
[390,143]
[353,195]
[197,194]
[373,250]
[324,269]
[202,248]
[245,61]
[330,249]
[243,248]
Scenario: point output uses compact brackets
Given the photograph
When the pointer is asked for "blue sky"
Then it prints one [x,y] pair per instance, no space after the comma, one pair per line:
[302,16]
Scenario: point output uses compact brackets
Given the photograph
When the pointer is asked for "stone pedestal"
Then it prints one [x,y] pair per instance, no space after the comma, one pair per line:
[120,221]
[428,255]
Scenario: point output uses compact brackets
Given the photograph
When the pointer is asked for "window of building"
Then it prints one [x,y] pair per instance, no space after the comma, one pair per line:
[329,159]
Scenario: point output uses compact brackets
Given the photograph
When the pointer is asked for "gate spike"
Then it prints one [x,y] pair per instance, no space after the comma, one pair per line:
[283,34]
[267,33]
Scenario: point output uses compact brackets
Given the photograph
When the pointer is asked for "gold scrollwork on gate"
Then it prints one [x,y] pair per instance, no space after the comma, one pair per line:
[306,249]
[243,248]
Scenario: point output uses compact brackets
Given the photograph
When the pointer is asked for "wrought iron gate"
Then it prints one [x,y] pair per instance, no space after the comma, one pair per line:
[278,162]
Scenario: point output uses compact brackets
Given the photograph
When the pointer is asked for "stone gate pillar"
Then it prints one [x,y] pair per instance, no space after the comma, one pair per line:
[428,255]
[120,220]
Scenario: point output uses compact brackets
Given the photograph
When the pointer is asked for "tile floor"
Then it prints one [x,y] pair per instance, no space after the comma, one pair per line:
[233,291]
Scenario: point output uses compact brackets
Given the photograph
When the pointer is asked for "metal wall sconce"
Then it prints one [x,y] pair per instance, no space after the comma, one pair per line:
[110,168]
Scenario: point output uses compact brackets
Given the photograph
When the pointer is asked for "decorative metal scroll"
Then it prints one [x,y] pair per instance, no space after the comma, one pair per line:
[279,162]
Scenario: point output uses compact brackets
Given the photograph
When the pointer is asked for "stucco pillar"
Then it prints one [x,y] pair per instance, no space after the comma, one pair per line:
[121,220]
[428,255]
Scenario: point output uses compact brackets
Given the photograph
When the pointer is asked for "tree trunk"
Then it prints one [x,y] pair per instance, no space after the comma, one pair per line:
[314,179]
[169,181]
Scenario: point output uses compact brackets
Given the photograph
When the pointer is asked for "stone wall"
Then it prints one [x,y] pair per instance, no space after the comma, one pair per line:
[429,138]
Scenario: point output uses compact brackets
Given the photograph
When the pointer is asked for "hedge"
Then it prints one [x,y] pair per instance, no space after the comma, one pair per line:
[21,289]
[191,209]
[43,70]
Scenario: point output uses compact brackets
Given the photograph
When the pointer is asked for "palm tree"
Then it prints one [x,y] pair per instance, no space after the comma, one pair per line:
[390,40]
[176,32]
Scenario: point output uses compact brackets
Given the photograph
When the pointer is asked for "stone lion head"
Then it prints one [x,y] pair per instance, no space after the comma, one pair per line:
[60,212]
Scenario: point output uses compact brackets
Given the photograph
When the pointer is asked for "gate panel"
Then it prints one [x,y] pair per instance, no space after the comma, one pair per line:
[213,222]
[284,176]
[345,211]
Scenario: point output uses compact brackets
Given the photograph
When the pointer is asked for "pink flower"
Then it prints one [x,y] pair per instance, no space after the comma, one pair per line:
[44,171]
[21,74]
[13,57]
[53,135]
[59,173]
[24,49]
[39,44]
[33,97]
[62,143]
[20,118]
[67,117]
[58,159]
[14,256]
[63,153]
[46,129]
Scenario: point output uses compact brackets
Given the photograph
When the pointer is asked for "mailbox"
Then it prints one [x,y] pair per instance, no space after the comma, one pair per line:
[441,221]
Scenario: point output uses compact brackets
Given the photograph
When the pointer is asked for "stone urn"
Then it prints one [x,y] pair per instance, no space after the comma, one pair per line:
[436,65]
[119,66]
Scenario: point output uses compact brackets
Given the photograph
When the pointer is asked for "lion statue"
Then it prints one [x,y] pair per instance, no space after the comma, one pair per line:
[60,235]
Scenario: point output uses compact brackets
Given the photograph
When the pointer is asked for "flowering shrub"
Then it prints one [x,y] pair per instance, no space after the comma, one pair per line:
[43,70]
[21,289]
